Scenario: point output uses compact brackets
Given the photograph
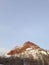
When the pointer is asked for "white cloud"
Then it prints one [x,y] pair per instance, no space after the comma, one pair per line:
[3,51]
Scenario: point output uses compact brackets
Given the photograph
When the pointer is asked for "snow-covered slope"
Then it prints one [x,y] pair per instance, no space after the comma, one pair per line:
[28,48]
[32,54]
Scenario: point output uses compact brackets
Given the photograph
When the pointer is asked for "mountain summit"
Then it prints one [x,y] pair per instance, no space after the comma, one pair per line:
[27,46]
[28,54]
[28,50]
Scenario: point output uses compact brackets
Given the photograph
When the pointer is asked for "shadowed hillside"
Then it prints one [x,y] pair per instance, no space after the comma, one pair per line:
[28,54]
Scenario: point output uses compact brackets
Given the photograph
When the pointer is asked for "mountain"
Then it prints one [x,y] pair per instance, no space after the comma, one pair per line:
[31,54]
[28,54]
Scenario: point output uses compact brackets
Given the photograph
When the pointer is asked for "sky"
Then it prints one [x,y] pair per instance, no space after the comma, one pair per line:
[24,20]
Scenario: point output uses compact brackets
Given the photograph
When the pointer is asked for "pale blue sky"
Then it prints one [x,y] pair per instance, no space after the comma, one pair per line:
[24,20]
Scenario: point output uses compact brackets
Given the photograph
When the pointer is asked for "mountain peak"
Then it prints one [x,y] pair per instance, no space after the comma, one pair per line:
[27,45]
[30,44]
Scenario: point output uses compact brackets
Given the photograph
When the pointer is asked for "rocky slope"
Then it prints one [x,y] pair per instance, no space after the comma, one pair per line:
[28,54]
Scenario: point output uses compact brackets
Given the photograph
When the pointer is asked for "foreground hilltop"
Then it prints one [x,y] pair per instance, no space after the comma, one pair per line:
[28,54]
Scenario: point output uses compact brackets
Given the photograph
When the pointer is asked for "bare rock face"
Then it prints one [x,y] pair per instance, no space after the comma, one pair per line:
[28,54]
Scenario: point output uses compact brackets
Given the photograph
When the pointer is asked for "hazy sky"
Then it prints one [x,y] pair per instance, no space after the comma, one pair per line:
[24,20]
